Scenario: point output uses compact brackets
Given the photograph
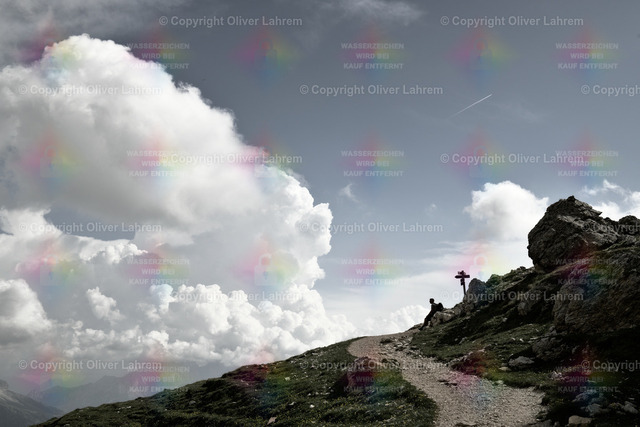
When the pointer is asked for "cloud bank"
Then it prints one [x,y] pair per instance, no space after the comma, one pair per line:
[224,259]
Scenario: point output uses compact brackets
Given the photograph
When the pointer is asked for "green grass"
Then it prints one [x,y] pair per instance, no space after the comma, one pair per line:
[443,343]
[303,390]
[490,339]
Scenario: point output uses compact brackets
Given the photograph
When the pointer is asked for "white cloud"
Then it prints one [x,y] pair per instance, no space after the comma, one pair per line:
[220,217]
[399,320]
[21,314]
[94,151]
[347,193]
[625,201]
[102,306]
[506,211]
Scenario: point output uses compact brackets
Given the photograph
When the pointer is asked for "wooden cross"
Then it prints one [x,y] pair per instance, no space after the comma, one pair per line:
[462,275]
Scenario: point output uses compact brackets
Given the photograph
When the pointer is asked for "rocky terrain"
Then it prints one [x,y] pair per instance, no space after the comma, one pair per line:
[551,345]
[568,325]
[462,399]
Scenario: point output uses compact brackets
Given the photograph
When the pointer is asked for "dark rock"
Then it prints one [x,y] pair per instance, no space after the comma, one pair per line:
[630,408]
[477,289]
[576,420]
[442,317]
[520,362]
[569,230]
[594,409]
[601,295]
[476,296]
[550,348]
[592,268]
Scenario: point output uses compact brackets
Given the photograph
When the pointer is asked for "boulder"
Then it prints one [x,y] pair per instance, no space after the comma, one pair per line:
[630,408]
[442,317]
[550,348]
[586,396]
[520,362]
[476,296]
[569,230]
[576,420]
[594,409]
[477,291]
[457,309]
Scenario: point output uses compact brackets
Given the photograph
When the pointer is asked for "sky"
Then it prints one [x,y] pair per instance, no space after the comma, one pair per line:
[207,185]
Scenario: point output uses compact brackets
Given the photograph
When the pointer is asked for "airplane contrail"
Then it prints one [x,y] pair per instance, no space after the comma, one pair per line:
[466,108]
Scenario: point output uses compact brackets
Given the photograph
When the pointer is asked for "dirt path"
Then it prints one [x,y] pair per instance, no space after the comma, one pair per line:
[463,400]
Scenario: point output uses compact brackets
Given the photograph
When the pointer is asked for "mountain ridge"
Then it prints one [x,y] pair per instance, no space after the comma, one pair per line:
[20,410]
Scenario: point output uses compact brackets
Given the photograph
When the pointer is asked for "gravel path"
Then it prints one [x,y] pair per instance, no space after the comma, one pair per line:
[463,400]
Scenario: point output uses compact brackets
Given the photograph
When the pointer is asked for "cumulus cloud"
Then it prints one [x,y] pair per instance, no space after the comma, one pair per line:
[80,128]
[21,314]
[98,156]
[506,211]
[103,306]
[625,201]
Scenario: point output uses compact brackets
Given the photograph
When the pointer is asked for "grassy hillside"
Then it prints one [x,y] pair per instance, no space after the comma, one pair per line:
[483,342]
[311,388]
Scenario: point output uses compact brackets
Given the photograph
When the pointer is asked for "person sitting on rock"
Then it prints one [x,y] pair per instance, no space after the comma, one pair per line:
[434,309]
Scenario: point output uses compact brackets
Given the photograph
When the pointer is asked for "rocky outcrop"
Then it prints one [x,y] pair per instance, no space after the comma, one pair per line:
[476,294]
[588,267]
[572,230]
[585,277]
[577,304]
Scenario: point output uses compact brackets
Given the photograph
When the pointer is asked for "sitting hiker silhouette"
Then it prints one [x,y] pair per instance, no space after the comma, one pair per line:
[434,309]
